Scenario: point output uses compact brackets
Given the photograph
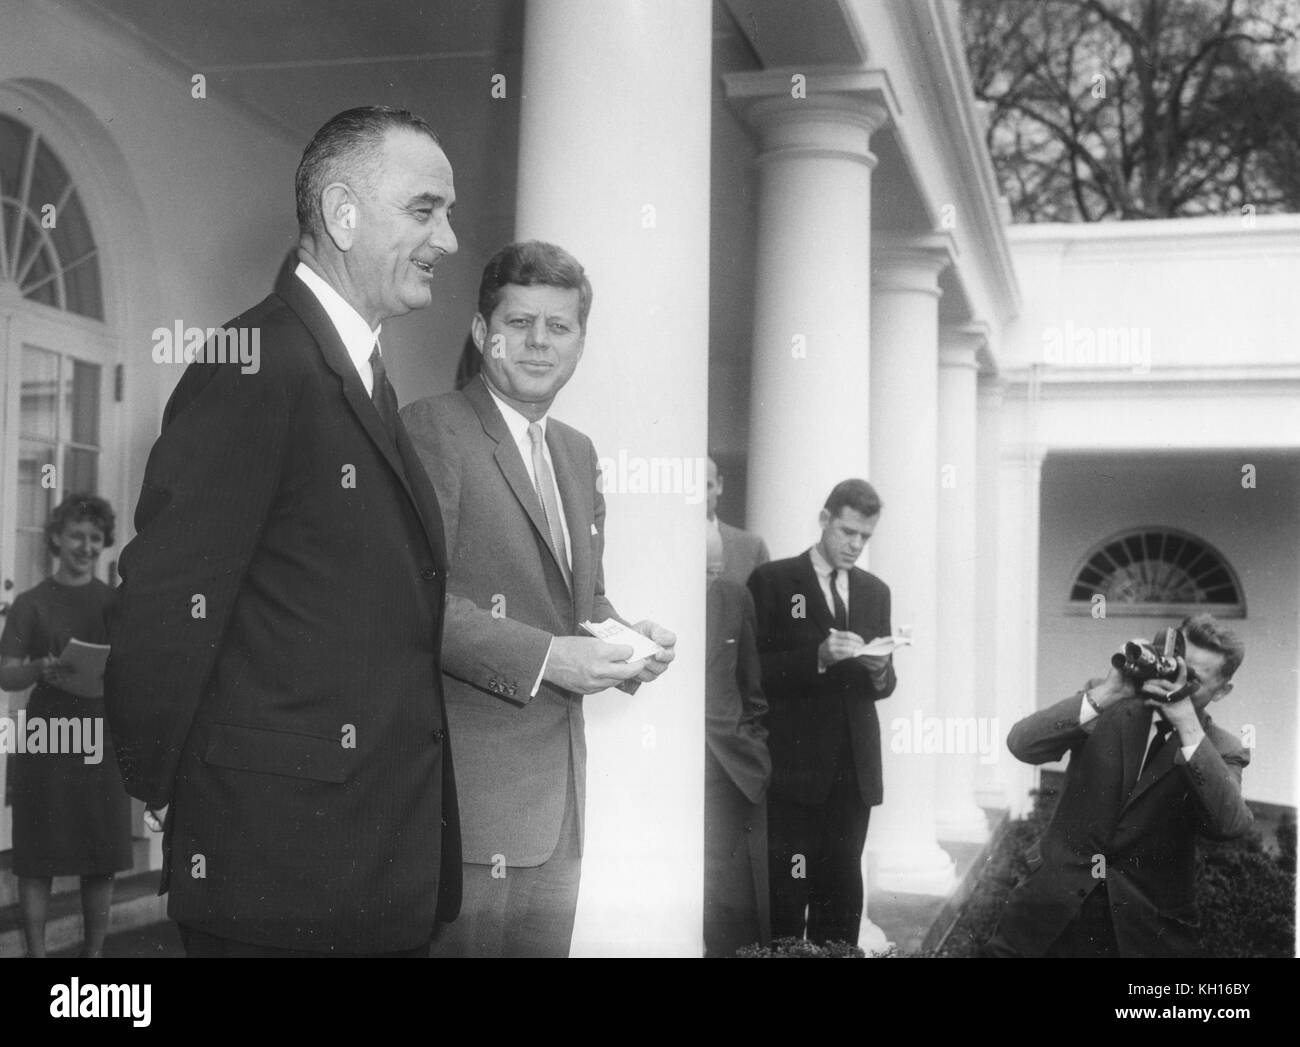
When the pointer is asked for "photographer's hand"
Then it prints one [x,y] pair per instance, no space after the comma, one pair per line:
[1180,714]
[1114,688]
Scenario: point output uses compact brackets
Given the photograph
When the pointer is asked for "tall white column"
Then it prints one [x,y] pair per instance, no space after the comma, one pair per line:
[810,386]
[614,166]
[1021,470]
[989,789]
[904,469]
[968,738]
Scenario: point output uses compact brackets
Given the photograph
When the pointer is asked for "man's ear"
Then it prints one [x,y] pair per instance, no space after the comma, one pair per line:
[339,209]
[1224,691]
[478,331]
[823,519]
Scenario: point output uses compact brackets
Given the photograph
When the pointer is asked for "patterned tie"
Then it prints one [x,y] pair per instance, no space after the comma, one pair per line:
[550,502]
[381,393]
[841,612]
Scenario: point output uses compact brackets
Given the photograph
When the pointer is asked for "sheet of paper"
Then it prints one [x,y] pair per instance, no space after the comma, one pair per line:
[87,661]
[885,645]
[616,632]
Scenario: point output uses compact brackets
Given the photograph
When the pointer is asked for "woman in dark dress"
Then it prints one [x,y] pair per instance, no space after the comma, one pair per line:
[72,816]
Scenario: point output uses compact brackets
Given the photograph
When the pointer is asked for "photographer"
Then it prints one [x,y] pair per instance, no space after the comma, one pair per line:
[1113,874]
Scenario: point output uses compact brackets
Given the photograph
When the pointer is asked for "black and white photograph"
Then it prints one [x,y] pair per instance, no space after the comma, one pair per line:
[651,479]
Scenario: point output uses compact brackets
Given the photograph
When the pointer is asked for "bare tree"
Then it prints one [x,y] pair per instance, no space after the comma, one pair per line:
[1129,109]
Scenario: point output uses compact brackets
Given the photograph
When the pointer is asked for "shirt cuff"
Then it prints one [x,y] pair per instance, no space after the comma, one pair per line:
[1086,711]
[1187,751]
[537,684]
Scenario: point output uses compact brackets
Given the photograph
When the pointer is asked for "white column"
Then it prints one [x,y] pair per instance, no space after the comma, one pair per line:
[904,469]
[968,737]
[989,790]
[810,385]
[614,166]
[1020,470]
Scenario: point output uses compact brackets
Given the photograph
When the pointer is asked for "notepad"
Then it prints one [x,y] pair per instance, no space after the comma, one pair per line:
[885,645]
[86,662]
[616,632]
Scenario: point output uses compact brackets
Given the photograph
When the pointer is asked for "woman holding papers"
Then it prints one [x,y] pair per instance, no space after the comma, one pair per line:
[72,816]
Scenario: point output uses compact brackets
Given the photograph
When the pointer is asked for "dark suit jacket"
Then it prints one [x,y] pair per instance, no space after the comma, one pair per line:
[274,672]
[742,551]
[1146,827]
[515,752]
[733,692]
[810,712]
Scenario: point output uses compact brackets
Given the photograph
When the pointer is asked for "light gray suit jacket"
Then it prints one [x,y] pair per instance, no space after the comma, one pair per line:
[513,751]
[742,551]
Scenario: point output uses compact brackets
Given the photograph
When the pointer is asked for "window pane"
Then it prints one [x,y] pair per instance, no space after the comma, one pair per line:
[80,471]
[83,403]
[32,564]
[38,411]
[34,499]
[13,147]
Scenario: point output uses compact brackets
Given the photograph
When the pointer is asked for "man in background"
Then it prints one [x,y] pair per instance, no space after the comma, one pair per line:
[1114,873]
[736,772]
[816,611]
[738,551]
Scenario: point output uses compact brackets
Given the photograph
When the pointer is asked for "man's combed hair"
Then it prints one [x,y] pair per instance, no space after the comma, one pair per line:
[1206,631]
[853,494]
[347,149]
[533,262]
[74,509]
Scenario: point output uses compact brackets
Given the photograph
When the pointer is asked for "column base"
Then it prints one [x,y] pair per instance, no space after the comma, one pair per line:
[916,869]
[963,824]
[871,938]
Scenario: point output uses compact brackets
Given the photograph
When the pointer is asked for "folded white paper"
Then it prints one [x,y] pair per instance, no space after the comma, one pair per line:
[884,645]
[616,632]
[87,661]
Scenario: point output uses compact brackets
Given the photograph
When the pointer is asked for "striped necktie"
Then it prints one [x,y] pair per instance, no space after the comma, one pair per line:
[550,501]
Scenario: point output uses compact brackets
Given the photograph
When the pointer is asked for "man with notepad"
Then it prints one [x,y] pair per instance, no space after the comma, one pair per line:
[818,616]
[525,525]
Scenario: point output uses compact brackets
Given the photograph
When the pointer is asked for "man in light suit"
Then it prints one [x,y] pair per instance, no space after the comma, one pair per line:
[740,551]
[274,674]
[525,524]
[1114,873]
[815,612]
[737,768]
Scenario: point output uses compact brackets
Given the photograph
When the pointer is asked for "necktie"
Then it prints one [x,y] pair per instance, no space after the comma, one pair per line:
[550,501]
[1163,731]
[381,393]
[841,612]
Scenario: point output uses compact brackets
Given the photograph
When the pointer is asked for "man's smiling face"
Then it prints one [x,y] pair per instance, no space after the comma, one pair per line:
[403,226]
[531,344]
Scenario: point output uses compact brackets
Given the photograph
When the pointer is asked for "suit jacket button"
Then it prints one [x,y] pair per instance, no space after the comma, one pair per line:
[438,734]
[428,573]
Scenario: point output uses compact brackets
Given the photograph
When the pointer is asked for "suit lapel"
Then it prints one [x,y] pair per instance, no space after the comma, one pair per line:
[508,459]
[859,616]
[807,583]
[1137,723]
[579,512]
[403,462]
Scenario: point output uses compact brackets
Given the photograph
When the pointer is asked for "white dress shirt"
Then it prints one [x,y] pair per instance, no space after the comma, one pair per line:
[358,339]
[518,426]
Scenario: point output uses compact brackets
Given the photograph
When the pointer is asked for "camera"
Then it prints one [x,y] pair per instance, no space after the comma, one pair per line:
[1157,660]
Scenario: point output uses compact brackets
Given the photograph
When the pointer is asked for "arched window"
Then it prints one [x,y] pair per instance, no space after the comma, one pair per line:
[46,246]
[1157,572]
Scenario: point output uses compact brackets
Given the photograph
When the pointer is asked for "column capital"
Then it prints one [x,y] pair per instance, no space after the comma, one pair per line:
[813,111]
[910,263]
[960,345]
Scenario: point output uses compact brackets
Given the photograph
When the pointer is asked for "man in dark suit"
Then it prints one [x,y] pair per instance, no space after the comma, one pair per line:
[815,614]
[740,551]
[736,772]
[1114,873]
[275,665]
[525,524]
